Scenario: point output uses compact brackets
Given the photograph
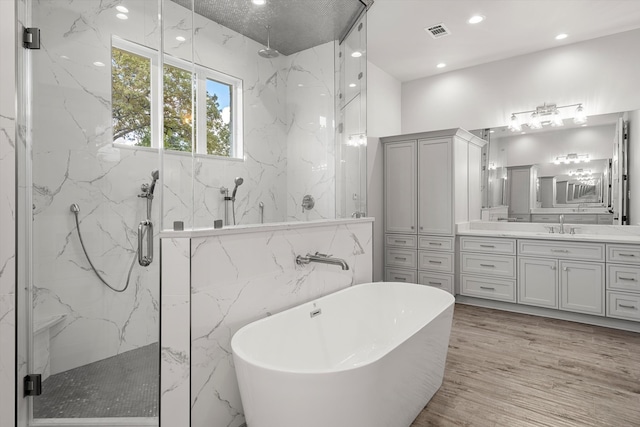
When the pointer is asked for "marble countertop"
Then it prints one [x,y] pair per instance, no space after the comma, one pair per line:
[629,234]
[255,228]
[599,238]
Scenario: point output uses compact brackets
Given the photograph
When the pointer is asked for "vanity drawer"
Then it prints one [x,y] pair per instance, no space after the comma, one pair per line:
[498,289]
[402,240]
[623,306]
[581,219]
[546,218]
[441,281]
[437,261]
[436,243]
[493,265]
[488,245]
[565,250]
[405,258]
[623,277]
[398,275]
[624,254]
[605,219]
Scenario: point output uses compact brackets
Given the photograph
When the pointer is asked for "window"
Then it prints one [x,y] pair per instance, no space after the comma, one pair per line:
[216,118]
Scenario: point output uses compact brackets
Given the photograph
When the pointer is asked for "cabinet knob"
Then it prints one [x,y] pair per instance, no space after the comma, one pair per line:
[421,228]
[412,227]
[565,268]
[553,267]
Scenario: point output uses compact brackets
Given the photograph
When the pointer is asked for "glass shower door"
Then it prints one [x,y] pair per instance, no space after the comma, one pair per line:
[92,295]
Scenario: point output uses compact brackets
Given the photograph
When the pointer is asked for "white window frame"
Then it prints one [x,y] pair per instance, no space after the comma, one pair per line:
[202,74]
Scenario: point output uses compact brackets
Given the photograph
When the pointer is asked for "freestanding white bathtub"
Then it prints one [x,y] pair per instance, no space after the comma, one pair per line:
[371,355]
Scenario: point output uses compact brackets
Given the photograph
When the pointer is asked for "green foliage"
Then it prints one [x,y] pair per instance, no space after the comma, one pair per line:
[131,106]
[131,97]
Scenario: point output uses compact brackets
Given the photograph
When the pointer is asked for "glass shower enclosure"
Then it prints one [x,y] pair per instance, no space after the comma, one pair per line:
[92,295]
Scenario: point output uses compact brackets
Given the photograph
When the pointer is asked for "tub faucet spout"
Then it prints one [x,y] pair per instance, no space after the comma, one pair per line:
[323,259]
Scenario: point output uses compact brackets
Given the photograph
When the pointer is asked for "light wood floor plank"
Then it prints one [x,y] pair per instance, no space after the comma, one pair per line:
[517,370]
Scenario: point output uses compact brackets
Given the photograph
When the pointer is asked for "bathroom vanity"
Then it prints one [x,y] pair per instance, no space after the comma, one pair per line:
[595,272]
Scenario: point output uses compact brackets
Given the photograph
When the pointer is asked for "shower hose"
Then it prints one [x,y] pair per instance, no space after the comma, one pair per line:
[84,249]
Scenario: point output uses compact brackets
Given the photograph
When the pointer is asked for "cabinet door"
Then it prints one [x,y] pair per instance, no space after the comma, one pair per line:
[519,183]
[538,282]
[400,187]
[582,287]
[435,199]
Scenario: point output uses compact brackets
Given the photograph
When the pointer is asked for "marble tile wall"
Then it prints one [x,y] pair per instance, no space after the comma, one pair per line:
[176,346]
[74,161]
[7,214]
[236,279]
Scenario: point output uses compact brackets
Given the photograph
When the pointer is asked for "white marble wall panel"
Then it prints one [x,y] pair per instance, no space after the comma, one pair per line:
[74,161]
[239,278]
[311,132]
[7,214]
[176,346]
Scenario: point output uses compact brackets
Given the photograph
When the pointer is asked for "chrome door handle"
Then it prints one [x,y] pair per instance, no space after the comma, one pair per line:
[145,226]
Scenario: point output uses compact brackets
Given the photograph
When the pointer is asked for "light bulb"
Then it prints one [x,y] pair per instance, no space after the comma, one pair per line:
[580,117]
[514,124]
[535,123]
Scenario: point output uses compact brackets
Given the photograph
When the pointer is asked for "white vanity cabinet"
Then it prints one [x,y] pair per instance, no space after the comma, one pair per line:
[564,275]
[623,281]
[488,268]
[432,180]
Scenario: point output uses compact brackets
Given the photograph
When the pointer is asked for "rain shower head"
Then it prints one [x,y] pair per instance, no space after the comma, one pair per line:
[238,181]
[268,52]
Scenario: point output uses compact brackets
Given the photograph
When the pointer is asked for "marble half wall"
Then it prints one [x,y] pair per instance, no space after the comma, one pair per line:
[236,279]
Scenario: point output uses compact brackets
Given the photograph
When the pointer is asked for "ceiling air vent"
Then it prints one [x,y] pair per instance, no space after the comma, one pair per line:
[438,30]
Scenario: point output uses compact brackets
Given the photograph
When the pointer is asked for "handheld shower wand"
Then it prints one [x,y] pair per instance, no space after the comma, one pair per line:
[238,181]
[155,175]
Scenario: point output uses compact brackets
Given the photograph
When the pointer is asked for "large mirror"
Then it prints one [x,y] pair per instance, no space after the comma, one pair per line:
[574,170]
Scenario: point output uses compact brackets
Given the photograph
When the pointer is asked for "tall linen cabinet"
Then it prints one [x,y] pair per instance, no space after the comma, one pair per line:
[432,180]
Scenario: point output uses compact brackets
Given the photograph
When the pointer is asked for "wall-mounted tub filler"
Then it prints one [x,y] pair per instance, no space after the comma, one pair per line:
[322,259]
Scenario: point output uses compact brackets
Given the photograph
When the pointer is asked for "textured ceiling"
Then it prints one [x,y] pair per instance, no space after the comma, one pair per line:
[295,24]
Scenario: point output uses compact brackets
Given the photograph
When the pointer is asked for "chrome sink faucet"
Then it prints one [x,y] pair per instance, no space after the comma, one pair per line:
[561,231]
[323,259]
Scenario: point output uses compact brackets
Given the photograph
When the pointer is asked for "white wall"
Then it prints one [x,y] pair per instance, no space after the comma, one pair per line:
[383,119]
[601,73]
[634,166]
[7,213]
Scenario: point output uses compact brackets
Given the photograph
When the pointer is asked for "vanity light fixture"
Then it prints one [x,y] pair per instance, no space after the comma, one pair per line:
[572,158]
[547,114]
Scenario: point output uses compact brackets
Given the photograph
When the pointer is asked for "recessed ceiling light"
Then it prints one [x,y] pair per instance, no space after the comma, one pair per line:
[259,2]
[180,38]
[475,19]
[441,65]
[122,9]
[356,54]
[352,85]
[122,16]
[64,57]
[98,64]
[561,36]
[300,85]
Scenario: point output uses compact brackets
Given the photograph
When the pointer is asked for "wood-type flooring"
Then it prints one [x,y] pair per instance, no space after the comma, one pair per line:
[516,370]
